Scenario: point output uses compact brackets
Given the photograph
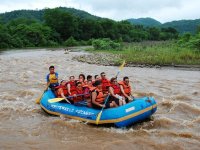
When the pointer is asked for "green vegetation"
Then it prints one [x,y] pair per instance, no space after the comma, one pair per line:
[182,26]
[157,53]
[145,22]
[71,27]
[68,27]
[105,44]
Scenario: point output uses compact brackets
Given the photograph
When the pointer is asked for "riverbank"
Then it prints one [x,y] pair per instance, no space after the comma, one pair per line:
[108,59]
[146,54]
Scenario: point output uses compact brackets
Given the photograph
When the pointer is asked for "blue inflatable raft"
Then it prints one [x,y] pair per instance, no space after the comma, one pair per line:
[126,115]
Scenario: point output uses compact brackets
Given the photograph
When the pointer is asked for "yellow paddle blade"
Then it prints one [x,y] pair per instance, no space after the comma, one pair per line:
[122,65]
[98,118]
[53,100]
[37,101]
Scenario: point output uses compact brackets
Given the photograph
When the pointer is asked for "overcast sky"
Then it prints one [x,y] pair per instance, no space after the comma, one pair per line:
[161,10]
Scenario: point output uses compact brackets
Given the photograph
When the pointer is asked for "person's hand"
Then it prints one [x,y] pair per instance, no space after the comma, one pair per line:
[103,106]
[129,98]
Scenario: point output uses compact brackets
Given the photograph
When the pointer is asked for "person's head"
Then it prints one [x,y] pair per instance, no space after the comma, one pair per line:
[103,75]
[81,77]
[79,85]
[89,77]
[51,69]
[113,80]
[126,80]
[71,78]
[98,84]
[89,82]
[63,82]
[97,77]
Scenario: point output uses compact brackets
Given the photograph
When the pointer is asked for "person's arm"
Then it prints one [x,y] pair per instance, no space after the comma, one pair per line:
[63,96]
[94,96]
[122,90]
[110,89]
[68,88]
[47,79]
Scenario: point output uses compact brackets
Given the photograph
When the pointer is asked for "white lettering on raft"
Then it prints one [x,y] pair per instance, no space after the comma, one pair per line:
[130,109]
[82,112]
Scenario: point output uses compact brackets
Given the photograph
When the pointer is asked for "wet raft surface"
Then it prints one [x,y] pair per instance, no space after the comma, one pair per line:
[25,126]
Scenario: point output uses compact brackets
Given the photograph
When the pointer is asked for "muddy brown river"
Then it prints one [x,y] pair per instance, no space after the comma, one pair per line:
[24,125]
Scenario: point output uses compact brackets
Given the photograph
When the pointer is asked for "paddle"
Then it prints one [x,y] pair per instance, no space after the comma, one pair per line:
[54,100]
[120,68]
[99,115]
[37,101]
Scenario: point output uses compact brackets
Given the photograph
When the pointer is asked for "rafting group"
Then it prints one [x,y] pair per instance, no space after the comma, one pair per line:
[98,93]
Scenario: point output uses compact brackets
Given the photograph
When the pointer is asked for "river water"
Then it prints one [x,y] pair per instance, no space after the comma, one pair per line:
[23,125]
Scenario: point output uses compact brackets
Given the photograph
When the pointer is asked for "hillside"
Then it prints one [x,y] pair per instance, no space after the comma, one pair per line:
[184,26]
[144,21]
[38,14]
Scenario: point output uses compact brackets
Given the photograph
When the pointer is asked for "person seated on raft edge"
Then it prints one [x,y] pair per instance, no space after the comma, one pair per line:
[126,89]
[61,91]
[52,79]
[115,92]
[105,82]
[98,98]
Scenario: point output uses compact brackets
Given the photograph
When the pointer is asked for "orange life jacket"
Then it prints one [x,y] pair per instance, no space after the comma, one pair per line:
[127,88]
[105,84]
[116,89]
[100,97]
[61,89]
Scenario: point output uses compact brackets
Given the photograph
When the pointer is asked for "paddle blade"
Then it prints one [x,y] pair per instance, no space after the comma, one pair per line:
[37,101]
[98,118]
[54,100]
[122,65]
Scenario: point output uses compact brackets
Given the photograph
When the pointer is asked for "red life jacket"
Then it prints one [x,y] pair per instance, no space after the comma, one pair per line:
[79,98]
[61,89]
[127,88]
[72,87]
[87,90]
[105,84]
[116,89]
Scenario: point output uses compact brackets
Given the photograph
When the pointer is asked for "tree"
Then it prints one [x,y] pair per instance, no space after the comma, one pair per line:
[62,22]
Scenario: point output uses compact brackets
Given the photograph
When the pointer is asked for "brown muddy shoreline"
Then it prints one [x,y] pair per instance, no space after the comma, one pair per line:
[113,60]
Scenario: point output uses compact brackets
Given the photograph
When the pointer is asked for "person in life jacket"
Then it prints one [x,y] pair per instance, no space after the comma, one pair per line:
[96,77]
[61,91]
[81,78]
[79,95]
[105,82]
[52,78]
[115,92]
[126,89]
[87,88]
[71,86]
[98,97]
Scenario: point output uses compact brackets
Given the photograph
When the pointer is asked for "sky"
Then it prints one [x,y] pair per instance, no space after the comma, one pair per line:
[161,10]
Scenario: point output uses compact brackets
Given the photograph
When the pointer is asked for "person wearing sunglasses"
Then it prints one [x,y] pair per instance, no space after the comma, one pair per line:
[125,88]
